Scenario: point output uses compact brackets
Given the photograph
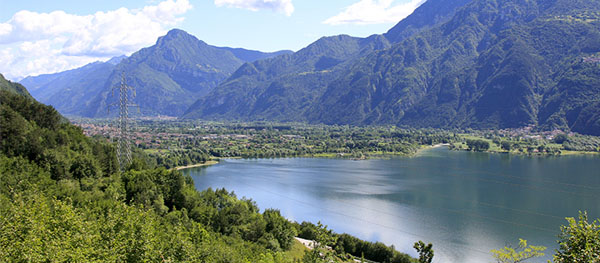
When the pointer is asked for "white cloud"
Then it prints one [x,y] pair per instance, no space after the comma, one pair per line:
[34,43]
[374,12]
[282,6]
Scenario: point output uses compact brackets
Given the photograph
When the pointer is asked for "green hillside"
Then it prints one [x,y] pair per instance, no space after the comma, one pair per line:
[6,85]
[63,199]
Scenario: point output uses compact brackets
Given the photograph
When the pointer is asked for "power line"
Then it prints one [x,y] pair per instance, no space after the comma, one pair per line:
[126,95]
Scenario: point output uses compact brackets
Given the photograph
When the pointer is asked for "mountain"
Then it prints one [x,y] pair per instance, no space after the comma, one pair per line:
[285,87]
[6,85]
[489,64]
[430,14]
[265,83]
[71,90]
[168,77]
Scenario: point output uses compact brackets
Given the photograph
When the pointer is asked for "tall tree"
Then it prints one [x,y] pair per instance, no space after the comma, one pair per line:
[579,241]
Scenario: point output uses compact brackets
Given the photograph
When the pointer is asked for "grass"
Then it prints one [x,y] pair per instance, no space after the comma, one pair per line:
[297,251]
[565,152]
[493,147]
[324,155]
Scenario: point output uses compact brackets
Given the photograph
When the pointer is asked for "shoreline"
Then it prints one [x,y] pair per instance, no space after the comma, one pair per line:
[517,153]
[368,156]
[429,147]
[207,163]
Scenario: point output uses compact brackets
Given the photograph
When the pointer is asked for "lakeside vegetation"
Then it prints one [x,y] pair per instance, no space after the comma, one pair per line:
[556,144]
[183,143]
[63,199]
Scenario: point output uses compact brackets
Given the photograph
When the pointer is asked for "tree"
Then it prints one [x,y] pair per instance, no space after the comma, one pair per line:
[425,252]
[478,145]
[506,145]
[561,138]
[579,241]
[280,228]
[521,254]
[320,252]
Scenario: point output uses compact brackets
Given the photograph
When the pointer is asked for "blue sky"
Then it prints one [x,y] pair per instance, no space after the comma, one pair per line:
[39,37]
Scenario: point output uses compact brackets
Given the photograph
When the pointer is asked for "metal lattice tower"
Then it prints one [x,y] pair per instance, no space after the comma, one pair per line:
[124,137]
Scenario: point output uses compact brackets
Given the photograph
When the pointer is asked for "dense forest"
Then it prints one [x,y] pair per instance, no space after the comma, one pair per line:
[63,198]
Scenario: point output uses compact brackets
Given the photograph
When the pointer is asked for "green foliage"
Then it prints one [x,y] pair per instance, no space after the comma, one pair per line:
[321,252]
[185,142]
[307,230]
[478,145]
[62,199]
[12,87]
[281,229]
[425,252]
[347,244]
[561,138]
[35,228]
[506,145]
[579,241]
[582,143]
[521,254]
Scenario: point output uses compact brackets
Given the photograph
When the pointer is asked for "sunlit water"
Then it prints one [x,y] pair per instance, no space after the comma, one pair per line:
[464,203]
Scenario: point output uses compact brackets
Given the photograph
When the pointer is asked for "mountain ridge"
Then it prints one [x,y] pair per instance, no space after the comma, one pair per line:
[169,76]
[492,65]
[300,78]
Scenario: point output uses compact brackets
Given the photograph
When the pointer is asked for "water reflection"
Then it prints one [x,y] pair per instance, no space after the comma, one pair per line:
[464,203]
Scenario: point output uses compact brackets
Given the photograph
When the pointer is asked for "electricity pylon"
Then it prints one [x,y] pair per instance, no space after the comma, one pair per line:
[124,137]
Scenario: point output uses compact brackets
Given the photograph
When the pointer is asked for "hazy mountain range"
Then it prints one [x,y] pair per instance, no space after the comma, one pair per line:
[168,77]
[452,63]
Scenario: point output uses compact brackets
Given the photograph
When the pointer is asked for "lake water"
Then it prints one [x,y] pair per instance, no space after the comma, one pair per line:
[464,203]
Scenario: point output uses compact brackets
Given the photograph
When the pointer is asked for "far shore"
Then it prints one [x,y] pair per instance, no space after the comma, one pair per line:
[207,163]
[427,147]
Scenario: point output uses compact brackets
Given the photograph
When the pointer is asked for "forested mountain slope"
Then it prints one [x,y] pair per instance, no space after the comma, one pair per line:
[494,64]
[284,88]
[6,85]
[62,198]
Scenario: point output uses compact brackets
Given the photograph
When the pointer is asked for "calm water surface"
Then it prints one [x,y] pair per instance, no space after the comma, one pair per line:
[464,203]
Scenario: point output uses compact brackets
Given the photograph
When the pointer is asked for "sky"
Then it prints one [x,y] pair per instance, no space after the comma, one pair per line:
[40,37]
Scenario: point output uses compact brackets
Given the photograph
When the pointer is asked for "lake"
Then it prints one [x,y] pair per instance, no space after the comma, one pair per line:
[464,203]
